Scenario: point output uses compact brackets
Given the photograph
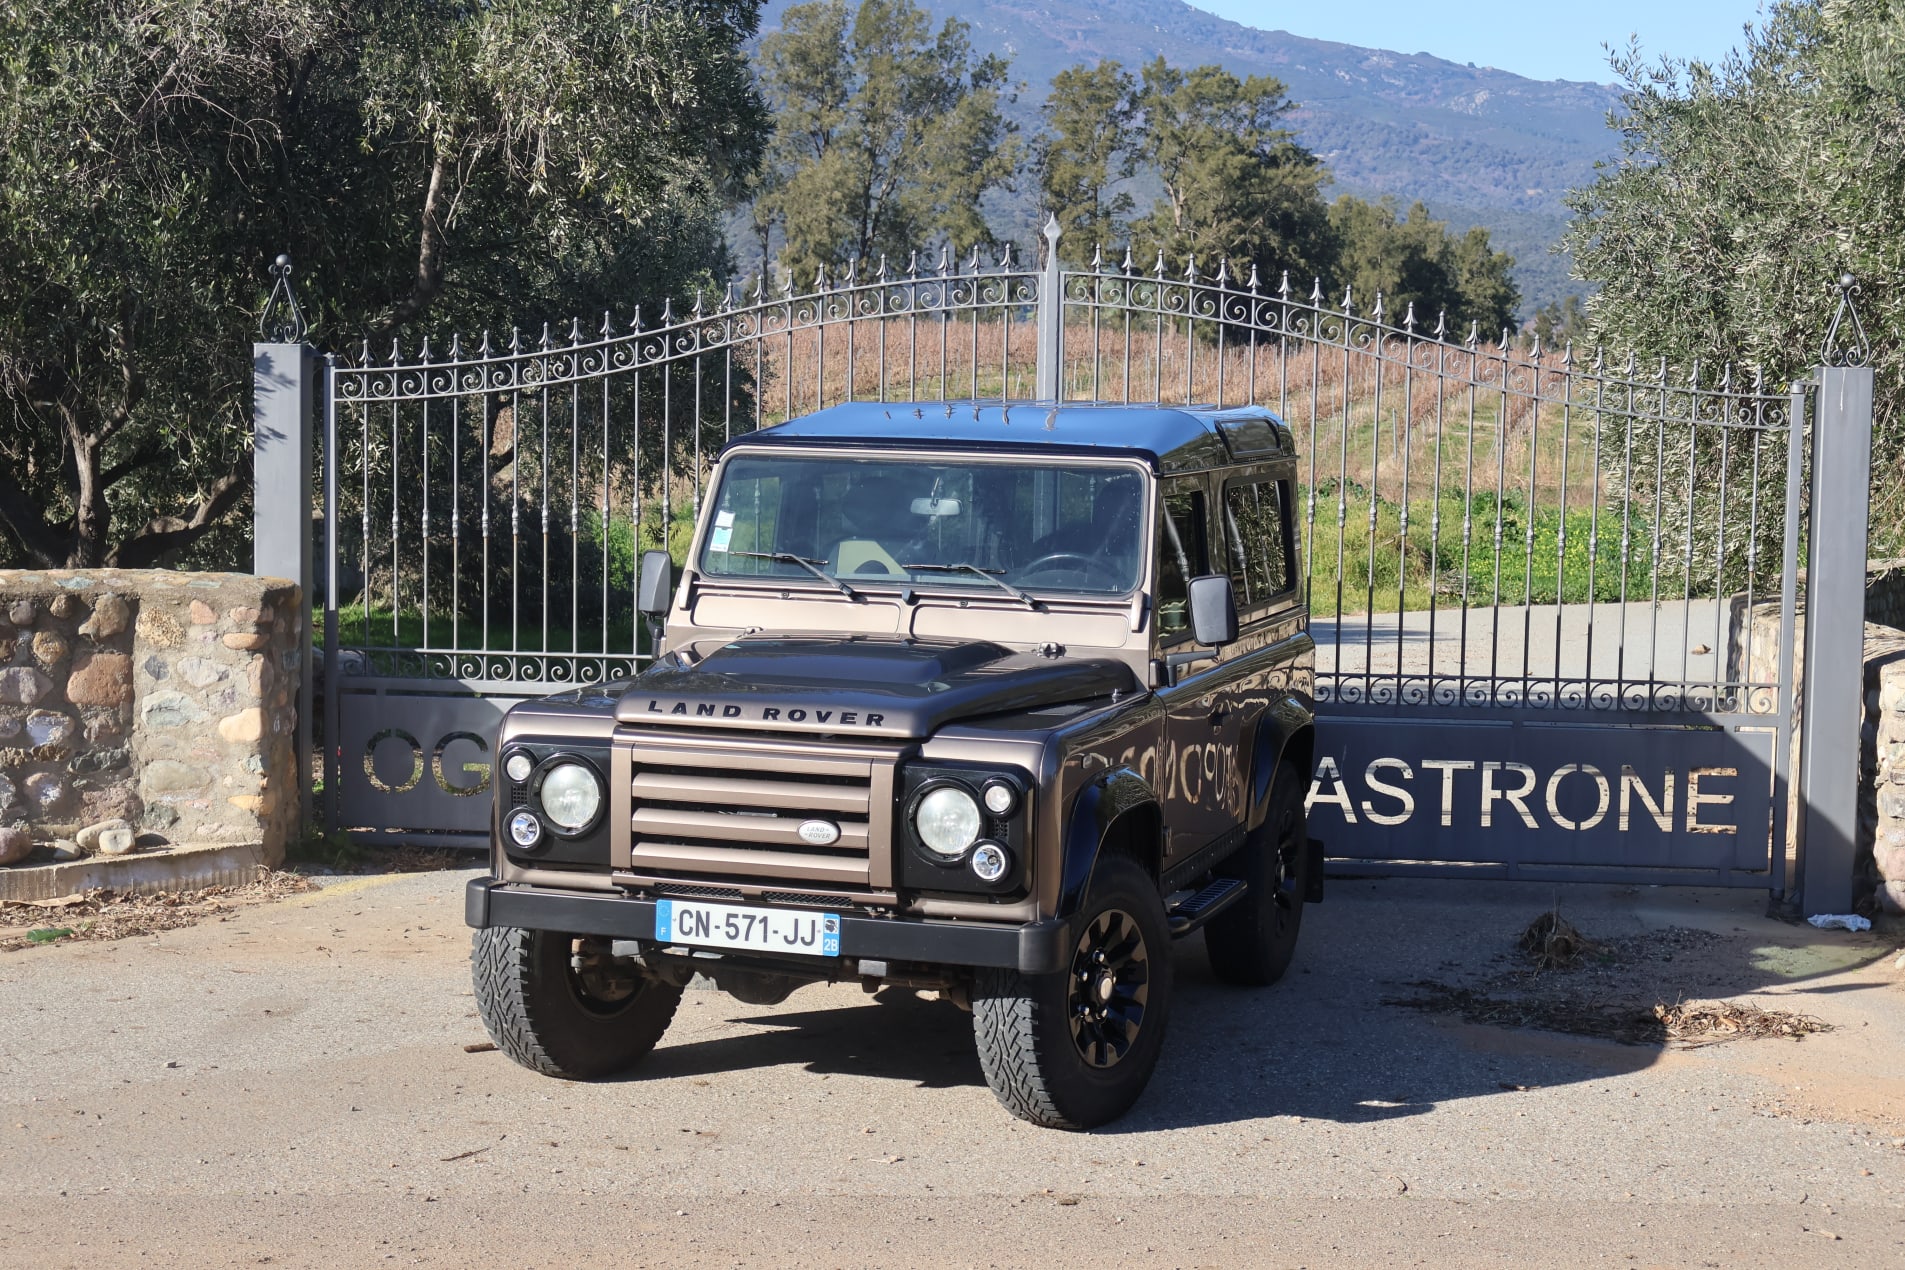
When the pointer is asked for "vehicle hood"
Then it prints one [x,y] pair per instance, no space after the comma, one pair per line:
[859,686]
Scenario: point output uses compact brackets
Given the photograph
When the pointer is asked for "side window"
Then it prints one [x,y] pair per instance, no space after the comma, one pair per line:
[1182,554]
[1256,534]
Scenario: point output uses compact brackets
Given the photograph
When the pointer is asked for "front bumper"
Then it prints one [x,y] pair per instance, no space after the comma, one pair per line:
[1035,948]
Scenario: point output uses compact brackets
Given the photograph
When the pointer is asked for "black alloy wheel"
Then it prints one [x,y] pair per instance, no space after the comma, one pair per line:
[1109,985]
[1074,1048]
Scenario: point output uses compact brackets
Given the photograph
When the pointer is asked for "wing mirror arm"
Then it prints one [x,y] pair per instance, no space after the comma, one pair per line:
[1213,614]
[653,594]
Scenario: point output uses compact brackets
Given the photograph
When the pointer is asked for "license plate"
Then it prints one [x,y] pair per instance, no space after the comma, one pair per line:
[775,930]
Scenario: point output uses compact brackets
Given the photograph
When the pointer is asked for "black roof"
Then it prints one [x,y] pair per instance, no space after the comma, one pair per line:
[1171,438]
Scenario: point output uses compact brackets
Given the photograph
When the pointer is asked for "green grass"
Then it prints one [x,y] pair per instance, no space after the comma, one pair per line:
[1438,552]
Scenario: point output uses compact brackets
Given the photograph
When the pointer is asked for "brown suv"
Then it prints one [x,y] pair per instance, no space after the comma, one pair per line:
[997,699]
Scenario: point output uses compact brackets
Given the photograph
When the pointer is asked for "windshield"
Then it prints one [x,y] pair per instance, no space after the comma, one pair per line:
[943,522]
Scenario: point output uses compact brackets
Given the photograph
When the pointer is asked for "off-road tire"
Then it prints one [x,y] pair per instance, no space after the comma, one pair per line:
[1252,942]
[538,1013]
[1022,1023]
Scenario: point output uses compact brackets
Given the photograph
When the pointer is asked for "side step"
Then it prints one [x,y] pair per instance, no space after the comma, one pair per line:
[1218,894]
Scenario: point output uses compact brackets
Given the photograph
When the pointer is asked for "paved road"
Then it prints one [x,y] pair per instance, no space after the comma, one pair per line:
[290,1087]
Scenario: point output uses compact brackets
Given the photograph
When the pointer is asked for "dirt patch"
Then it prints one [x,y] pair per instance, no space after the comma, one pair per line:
[413,859]
[107,914]
[1552,943]
[1559,979]
[1704,1022]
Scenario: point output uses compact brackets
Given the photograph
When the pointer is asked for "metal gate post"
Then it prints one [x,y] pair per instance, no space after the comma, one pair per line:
[1834,681]
[1051,317]
[284,380]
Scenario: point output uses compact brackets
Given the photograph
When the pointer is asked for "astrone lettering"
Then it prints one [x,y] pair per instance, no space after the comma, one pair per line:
[1574,797]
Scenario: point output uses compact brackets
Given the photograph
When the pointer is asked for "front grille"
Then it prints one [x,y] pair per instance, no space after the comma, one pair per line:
[800,897]
[731,809]
[699,892]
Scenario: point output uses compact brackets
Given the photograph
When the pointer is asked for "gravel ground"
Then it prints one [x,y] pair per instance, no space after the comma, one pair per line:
[291,1086]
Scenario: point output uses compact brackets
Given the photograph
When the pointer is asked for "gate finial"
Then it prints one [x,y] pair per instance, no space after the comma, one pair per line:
[282,321]
[1857,351]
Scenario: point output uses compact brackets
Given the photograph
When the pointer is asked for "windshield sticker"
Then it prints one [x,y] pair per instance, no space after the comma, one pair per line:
[723,531]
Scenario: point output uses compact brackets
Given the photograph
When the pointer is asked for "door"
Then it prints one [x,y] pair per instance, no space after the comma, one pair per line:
[1201,726]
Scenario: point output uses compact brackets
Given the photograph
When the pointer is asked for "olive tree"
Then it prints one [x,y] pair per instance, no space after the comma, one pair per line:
[1743,190]
[424,164]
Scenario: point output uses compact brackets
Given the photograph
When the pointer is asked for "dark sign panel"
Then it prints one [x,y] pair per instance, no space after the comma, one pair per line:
[410,757]
[1547,799]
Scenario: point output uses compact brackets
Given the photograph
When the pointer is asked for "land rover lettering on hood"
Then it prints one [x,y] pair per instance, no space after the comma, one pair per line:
[999,704]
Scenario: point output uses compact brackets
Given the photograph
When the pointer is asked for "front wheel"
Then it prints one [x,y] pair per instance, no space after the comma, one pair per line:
[1074,1049]
[562,1006]
[1253,941]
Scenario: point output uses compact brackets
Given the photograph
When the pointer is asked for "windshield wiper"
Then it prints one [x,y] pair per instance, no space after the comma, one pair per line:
[811,566]
[990,575]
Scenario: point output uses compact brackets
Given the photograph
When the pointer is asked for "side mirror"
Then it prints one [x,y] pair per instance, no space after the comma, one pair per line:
[1213,611]
[654,591]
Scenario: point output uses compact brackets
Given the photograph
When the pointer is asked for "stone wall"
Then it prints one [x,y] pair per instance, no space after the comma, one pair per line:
[1882,796]
[143,708]
[1754,657]
[1885,593]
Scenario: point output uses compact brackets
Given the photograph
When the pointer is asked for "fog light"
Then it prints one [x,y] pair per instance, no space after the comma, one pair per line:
[519,766]
[524,829]
[989,861]
[1001,798]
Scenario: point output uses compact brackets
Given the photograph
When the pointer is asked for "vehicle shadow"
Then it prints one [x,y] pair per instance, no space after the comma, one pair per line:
[917,1039]
[1332,1041]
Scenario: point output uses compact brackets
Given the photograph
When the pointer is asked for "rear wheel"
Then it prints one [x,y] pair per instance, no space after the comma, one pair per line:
[1074,1049]
[1253,941]
[562,1006]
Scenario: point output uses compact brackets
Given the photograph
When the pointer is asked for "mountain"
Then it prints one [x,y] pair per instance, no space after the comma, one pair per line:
[1479,146]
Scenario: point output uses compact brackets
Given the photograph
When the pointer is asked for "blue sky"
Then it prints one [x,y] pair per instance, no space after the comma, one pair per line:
[1554,41]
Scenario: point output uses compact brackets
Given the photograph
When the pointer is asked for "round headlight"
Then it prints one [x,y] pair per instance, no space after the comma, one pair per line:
[989,862]
[519,766]
[570,795]
[947,821]
[1000,798]
[524,829]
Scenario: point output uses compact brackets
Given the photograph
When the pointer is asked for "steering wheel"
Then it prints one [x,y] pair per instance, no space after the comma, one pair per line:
[1069,559]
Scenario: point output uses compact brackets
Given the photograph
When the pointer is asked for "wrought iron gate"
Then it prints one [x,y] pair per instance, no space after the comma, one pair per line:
[1554,596]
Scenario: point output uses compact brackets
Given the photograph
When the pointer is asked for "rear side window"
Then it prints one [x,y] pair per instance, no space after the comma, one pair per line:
[1182,554]
[1256,533]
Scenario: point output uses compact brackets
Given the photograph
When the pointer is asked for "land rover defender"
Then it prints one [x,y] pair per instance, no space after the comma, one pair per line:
[995,699]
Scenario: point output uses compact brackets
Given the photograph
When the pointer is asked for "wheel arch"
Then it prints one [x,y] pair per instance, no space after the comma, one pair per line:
[1285,733]
[1118,812]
